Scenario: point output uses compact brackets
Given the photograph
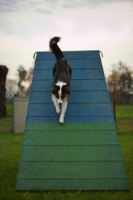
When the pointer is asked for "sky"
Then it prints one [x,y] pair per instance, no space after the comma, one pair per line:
[27,26]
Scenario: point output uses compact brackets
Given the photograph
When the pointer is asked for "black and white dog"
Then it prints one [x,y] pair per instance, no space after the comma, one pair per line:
[61,85]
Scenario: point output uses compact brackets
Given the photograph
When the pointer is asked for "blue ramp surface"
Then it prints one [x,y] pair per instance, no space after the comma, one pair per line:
[82,154]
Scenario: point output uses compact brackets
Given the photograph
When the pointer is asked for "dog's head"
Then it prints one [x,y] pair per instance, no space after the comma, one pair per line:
[61,91]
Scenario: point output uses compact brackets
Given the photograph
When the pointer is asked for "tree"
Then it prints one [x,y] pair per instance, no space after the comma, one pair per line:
[121,80]
[22,77]
[29,79]
[12,88]
[3,73]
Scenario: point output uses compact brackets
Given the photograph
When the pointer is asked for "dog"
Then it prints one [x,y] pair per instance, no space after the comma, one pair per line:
[62,73]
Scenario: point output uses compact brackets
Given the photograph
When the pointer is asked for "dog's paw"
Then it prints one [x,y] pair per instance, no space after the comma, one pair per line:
[61,120]
[58,110]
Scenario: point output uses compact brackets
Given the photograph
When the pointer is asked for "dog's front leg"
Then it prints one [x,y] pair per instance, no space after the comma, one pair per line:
[56,104]
[63,110]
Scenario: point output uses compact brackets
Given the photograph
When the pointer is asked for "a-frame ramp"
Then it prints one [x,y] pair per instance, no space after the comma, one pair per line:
[82,154]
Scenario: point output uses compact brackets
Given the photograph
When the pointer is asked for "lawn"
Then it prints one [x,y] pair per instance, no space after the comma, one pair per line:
[10,148]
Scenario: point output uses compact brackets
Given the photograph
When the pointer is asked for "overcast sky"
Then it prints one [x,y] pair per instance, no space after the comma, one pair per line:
[26,27]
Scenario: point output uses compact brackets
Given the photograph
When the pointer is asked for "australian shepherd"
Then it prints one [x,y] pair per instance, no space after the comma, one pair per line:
[62,73]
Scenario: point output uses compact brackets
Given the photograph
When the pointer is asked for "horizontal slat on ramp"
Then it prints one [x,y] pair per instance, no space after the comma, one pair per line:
[70,126]
[72,110]
[78,85]
[69,55]
[72,184]
[68,119]
[85,97]
[65,137]
[77,74]
[71,153]
[72,170]
[74,63]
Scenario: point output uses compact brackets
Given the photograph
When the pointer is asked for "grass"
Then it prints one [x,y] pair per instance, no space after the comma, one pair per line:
[124,112]
[10,148]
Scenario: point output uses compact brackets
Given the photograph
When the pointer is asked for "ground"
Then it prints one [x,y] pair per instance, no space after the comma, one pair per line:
[10,148]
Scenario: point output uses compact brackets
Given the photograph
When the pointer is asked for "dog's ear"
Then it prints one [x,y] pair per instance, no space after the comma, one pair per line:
[55,89]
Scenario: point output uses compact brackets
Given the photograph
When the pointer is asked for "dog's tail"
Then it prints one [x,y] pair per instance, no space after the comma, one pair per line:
[55,49]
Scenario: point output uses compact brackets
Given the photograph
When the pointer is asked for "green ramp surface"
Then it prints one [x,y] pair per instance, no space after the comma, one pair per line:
[83,153]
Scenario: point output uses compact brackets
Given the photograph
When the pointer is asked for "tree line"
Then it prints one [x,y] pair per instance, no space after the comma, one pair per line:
[119,80]
[21,86]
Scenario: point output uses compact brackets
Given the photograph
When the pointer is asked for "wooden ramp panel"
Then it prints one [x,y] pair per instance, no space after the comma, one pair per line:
[82,154]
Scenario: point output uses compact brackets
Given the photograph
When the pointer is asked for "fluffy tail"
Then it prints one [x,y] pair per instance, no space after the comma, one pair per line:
[54,47]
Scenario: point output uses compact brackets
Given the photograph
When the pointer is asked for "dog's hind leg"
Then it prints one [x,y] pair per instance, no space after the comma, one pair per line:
[63,110]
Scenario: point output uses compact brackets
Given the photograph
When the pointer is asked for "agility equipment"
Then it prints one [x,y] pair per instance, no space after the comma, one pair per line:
[83,153]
